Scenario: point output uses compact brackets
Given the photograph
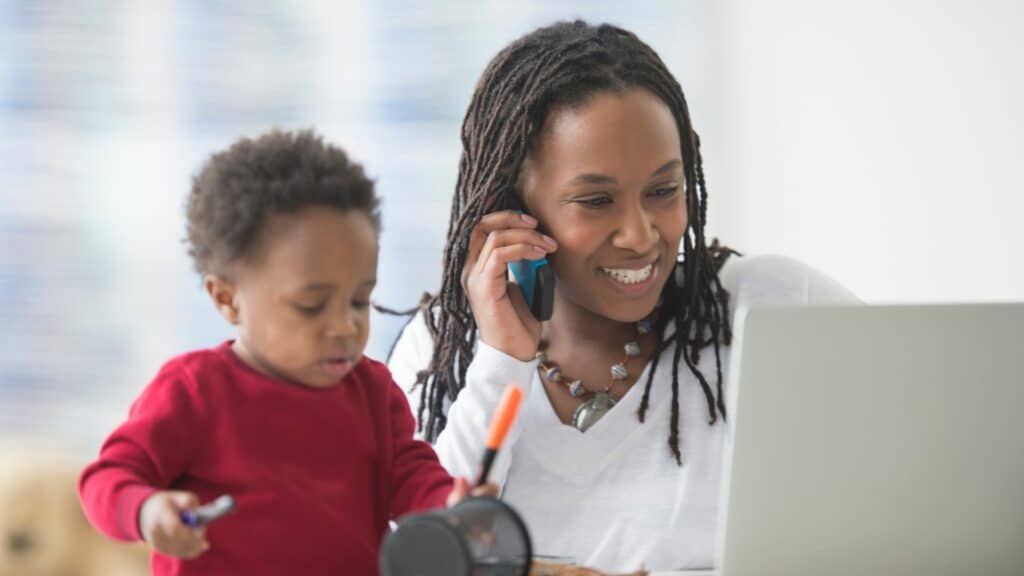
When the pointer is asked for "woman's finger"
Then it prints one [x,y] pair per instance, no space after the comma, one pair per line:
[505,238]
[522,309]
[494,272]
[505,219]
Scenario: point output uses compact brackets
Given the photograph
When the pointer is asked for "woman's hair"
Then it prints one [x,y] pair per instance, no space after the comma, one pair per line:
[553,67]
[279,172]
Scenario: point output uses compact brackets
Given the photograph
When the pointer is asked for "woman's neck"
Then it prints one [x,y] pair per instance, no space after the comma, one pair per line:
[573,323]
[584,346]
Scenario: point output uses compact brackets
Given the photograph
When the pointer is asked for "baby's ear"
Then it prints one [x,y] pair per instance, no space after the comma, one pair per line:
[222,292]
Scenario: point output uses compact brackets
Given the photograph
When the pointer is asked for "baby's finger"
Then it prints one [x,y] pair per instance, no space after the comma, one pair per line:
[194,547]
[459,491]
[183,531]
[183,500]
[190,541]
[487,489]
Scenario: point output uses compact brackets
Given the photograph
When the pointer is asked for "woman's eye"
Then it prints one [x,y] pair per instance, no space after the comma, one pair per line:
[665,191]
[310,310]
[360,304]
[595,202]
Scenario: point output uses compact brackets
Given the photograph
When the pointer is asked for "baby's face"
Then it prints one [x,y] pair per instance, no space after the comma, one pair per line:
[303,296]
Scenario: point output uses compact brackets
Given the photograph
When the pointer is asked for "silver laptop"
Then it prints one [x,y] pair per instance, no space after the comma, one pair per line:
[876,440]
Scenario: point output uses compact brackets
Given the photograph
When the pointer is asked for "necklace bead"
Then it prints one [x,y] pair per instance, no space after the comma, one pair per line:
[644,326]
[619,372]
[577,389]
[592,409]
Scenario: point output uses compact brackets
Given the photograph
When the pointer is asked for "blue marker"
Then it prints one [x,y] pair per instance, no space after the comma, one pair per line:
[207,513]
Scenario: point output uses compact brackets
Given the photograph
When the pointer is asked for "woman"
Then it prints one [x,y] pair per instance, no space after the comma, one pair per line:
[615,461]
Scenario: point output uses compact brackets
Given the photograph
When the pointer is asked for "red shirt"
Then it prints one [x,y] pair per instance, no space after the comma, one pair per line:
[316,473]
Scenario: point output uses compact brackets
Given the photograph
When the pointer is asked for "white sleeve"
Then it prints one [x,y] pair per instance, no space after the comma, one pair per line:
[460,446]
[778,280]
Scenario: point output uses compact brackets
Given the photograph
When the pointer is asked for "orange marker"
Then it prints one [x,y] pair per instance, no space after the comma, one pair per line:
[505,415]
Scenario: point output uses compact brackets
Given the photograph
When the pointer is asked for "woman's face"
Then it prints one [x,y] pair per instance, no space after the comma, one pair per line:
[605,180]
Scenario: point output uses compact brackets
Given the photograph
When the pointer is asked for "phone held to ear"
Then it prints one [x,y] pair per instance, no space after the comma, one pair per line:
[535,278]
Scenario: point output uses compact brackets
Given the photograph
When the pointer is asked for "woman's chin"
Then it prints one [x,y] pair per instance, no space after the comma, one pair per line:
[630,311]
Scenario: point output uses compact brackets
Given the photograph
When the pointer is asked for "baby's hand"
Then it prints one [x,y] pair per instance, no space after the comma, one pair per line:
[161,525]
[461,490]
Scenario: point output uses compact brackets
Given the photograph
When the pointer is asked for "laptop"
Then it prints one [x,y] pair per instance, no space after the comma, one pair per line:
[875,440]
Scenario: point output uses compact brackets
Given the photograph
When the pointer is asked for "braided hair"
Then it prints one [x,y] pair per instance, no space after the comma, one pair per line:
[562,65]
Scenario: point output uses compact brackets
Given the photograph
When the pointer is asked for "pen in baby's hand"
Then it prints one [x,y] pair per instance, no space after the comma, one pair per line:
[207,513]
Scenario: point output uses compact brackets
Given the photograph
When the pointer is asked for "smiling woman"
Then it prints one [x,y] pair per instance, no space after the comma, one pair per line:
[615,460]
[606,181]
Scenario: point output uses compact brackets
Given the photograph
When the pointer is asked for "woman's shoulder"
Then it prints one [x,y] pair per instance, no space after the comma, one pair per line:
[413,340]
[411,352]
[779,280]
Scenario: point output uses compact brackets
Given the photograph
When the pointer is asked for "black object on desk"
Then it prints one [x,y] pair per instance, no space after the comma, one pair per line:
[478,536]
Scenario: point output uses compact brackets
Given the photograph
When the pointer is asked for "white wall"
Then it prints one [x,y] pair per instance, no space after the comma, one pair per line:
[879,141]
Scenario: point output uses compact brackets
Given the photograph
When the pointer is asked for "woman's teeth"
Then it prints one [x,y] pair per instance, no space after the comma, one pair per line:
[630,276]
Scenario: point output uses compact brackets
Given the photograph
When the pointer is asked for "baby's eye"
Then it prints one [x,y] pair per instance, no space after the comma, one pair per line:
[310,310]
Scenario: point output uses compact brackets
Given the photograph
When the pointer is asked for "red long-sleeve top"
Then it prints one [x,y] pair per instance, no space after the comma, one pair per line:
[316,473]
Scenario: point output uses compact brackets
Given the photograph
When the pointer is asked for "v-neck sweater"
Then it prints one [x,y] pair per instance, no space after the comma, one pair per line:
[614,497]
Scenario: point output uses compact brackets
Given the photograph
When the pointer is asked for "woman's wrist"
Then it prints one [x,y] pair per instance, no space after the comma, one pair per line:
[494,364]
[520,353]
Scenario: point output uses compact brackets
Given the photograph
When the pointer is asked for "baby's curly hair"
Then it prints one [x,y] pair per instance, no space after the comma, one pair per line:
[278,172]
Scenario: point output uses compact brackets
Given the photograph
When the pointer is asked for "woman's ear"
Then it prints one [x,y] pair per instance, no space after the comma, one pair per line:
[222,292]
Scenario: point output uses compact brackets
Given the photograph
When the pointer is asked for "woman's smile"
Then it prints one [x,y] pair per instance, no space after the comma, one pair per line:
[632,281]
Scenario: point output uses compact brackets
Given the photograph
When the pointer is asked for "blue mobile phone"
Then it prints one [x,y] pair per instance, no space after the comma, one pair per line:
[534,277]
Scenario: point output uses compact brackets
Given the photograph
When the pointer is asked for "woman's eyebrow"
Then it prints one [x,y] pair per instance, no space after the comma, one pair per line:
[593,178]
[667,167]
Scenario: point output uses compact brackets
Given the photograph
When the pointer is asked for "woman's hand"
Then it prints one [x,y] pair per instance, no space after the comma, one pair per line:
[161,525]
[502,316]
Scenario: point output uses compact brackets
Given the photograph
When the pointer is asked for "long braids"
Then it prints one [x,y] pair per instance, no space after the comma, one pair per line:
[561,65]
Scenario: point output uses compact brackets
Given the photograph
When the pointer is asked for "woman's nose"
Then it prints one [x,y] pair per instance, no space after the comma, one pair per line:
[637,231]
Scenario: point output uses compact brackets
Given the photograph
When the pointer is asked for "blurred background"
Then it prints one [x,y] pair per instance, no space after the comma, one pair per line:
[881,142]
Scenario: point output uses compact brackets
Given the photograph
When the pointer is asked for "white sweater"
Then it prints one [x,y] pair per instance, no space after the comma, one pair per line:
[612,498]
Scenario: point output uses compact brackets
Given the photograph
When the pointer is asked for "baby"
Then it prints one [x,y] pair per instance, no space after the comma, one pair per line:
[313,440]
